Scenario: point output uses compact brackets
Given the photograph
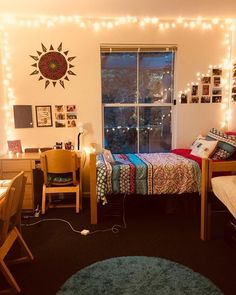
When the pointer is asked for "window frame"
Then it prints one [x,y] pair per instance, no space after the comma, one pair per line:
[106,48]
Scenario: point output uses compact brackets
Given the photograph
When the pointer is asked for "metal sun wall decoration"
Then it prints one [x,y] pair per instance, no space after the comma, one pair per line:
[53,65]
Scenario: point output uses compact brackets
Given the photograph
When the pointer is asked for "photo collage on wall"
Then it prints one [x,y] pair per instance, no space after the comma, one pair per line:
[65,116]
[234,83]
[209,90]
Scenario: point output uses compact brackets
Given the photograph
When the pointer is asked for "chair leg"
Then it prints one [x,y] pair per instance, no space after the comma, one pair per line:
[5,270]
[77,202]
[80,201]
[29,255]
[4,231]
[43,199]
[9,278]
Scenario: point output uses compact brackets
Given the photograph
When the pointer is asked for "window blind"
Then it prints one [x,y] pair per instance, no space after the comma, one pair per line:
[138,48]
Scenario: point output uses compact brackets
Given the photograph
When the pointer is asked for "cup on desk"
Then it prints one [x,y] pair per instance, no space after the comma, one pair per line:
[69,146]
[58,146]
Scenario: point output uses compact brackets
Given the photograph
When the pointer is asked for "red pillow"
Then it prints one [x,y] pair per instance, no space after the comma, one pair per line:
[230,133]
[186,153]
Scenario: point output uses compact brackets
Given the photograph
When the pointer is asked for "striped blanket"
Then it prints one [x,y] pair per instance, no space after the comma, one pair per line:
[147,174]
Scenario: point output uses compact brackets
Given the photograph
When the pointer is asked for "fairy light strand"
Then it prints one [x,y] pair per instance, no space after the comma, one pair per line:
[111,23]
[227,66]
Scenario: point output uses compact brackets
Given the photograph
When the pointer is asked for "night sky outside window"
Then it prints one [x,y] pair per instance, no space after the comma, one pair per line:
[137,94]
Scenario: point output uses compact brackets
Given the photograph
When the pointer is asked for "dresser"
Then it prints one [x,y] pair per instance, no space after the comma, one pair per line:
[12,164]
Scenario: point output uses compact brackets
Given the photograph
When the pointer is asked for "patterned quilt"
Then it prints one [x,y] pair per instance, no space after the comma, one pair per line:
[147,174]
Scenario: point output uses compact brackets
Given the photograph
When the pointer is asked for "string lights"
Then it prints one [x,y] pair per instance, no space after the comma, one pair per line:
[9,96]
[111,23]
[226,66]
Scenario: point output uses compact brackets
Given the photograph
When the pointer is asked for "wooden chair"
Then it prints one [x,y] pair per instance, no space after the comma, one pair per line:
[59,169]
[10,229]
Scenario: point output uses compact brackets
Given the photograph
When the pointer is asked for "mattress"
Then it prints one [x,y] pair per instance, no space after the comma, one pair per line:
[224,188]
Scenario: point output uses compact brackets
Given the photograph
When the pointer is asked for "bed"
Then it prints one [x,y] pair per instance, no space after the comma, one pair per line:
[223,160]
[176,173]
[218,179]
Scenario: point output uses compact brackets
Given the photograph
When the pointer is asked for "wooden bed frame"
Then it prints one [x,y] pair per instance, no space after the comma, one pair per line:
[208,167]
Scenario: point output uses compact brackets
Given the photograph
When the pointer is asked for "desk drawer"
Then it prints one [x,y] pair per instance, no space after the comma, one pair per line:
[10,175]
[16,165]
[27,204]
[28,192]
[28,198]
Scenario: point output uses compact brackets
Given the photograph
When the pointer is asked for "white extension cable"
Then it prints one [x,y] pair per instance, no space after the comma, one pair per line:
[114,229]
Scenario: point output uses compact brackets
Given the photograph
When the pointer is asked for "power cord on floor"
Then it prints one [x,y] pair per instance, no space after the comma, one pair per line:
[114,229]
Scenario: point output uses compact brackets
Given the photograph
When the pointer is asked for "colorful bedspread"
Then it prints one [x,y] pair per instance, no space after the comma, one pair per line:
[147,174]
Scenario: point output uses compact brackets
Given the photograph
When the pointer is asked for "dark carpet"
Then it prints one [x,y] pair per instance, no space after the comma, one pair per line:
[137,275]
[164,227]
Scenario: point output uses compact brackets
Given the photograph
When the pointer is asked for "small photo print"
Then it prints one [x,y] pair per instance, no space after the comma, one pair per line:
[59,108]
[216,72]
[205,99]
[234,97]
[71,116]
[205,89]
[71,123]
[206,80]
[194,99]
[216,91]
[60,116]
[194,90]
[183,98]
[71,108]
[216,99]
[216,81]
[60,124]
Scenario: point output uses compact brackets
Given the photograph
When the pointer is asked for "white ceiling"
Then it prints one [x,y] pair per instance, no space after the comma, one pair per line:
[111,8]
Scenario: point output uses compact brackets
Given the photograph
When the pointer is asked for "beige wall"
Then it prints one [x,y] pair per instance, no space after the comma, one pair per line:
[197,49]
[232,124]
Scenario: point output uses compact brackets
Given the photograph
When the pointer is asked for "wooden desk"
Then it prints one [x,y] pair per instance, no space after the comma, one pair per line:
[12,164]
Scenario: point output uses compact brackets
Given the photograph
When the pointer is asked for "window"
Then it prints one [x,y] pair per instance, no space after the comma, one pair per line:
[137,96]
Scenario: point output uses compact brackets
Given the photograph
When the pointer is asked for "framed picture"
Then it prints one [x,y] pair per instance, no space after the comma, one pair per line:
[43,116]
[14,146]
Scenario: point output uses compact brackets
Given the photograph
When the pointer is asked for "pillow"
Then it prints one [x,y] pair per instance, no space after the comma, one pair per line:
[203,148]
[108,156]
[186,154]
[226,144]
[199,137]
[230,133]
[64,178]
[233,156]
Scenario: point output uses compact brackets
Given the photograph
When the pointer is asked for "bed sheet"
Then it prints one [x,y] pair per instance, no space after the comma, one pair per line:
[224,188]
[147,174]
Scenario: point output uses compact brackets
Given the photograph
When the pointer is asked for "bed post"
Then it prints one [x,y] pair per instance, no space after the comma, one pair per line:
[204,193]
[93,195]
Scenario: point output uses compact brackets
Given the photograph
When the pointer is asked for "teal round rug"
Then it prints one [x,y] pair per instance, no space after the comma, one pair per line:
[139,275]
